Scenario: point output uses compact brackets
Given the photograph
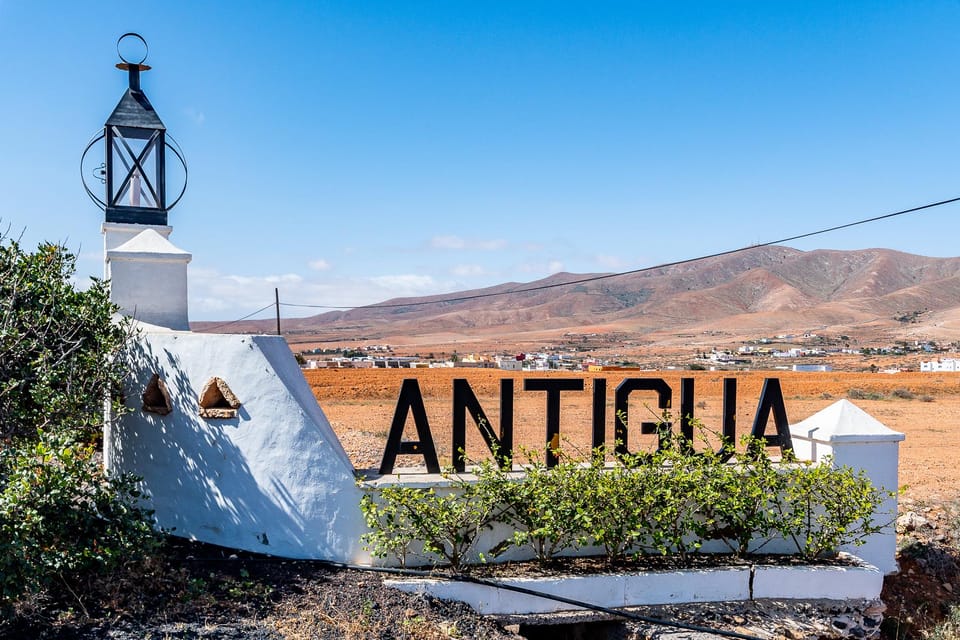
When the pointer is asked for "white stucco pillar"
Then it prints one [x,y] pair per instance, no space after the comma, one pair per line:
[148,279]
[856,439]
[116,233]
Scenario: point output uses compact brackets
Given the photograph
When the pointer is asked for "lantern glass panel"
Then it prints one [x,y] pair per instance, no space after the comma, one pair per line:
[135,167]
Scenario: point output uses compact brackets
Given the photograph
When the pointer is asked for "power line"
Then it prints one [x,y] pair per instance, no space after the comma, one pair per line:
[224,324]
[607,276]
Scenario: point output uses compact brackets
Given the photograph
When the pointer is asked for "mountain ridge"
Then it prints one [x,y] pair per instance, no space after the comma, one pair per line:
[762,288]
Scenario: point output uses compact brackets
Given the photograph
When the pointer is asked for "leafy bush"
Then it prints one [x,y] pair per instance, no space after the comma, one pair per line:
[822,507]
[392,532]
[904,394]
[676,500]
[60,359]
[666,502]
[447,523]
[62,517]
[59,350]
[738,501]
[549,507]
[623,499]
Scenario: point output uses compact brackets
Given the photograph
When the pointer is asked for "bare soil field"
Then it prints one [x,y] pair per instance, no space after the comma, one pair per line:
[360,404]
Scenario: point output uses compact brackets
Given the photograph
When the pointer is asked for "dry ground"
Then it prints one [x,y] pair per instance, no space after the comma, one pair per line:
[924,406]
[199,592]
[360,404]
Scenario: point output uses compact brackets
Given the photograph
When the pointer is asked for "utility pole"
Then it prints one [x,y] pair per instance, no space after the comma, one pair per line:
[276,296]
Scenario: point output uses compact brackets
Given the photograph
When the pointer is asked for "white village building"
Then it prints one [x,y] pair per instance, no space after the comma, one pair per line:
[945,364]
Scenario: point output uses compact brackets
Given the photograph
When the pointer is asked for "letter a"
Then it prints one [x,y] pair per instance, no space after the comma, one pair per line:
[410,398]
[771,399]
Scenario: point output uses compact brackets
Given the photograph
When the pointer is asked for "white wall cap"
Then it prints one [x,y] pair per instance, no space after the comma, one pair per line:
[126,227]
[148,245]
[844,421]
[146,327]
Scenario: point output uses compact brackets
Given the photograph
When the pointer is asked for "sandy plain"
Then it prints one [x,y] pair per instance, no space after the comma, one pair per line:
[360,404]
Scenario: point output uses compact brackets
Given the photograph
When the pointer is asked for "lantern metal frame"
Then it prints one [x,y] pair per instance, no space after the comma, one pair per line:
[135,145]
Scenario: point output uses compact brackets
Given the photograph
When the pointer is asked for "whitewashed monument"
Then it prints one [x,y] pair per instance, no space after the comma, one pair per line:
[231,444]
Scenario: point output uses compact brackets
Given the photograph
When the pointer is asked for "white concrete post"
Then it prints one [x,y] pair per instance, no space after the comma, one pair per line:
[116,233]
[858,440]
[148,279]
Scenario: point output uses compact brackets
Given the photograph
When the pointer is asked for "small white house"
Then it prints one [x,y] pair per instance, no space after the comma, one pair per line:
[946,364]
[510,364]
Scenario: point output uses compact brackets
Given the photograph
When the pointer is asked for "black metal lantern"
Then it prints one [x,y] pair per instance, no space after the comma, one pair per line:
[136,142]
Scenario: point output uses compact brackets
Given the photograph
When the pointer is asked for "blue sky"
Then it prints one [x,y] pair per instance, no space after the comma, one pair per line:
[349,152]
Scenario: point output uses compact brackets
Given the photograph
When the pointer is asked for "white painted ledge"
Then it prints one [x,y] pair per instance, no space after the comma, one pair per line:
[862,582]
[832,583]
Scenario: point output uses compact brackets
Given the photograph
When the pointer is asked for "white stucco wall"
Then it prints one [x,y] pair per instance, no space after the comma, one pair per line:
[854,438]
[148,279]
[275,479]
[116,233]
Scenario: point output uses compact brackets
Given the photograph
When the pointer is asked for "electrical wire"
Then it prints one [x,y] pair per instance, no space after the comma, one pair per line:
[607,276]
[463,578]
[596,278]
[224,324]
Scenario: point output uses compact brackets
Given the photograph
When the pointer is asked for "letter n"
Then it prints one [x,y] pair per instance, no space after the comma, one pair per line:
[410,399]
[464,400]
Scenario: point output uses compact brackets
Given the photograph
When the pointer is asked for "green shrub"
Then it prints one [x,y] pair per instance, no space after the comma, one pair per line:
[61,358]
[392,531]
[61,517]
[549,507]
[823,507]
[623,500]
[447,523]
[676,501]
[738,500]
[60,351]
[667,502]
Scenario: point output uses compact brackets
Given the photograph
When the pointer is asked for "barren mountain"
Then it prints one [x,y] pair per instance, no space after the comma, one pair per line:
[875,294]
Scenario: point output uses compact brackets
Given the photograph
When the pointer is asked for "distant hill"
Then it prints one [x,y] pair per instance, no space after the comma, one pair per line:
[878,294]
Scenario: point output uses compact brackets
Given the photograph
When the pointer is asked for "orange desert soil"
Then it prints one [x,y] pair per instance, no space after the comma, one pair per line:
[360,404]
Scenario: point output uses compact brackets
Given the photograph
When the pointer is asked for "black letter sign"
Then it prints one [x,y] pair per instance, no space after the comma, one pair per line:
[621,406]
[553,387]
[410,398]
[465,400]
[771,399]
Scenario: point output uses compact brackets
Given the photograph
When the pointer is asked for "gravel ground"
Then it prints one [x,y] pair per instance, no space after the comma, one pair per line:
[197,591]
[201,592]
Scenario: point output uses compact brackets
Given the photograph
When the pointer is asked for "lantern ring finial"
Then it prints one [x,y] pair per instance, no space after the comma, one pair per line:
[146,49]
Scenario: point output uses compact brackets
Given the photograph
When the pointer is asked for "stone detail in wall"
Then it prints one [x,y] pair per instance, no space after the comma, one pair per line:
[156,398]
[217,400]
